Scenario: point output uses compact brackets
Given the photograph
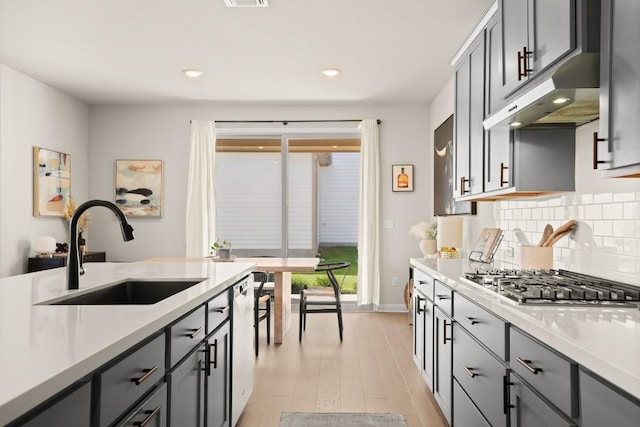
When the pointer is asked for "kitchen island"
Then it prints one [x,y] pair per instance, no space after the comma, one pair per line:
[582,361]
[46,348]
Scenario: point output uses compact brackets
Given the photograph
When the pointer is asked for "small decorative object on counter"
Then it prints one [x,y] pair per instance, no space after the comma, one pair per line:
[222,249]
[448,253]
[427,233]
[44,246]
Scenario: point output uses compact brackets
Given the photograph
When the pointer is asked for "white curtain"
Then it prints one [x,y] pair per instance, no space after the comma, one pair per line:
[369,215]
[201,213]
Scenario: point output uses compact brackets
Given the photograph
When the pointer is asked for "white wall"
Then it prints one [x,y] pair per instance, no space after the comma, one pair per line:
[162,132]
[34,114]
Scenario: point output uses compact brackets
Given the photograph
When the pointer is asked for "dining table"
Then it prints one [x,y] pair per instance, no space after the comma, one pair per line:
[281,269]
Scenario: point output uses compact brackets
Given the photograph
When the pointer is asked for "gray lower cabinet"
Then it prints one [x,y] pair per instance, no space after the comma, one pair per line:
[481,376]
[186,390]
[442,386]
[151,413]
[423,336]
[528,409]
[617,146]
[602,404]
[466,414]
[74,409]
[218,377]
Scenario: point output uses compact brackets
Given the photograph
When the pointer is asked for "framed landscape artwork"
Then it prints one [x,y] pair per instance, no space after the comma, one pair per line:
[51,182]
[443,173]
[402,177]
[139,187]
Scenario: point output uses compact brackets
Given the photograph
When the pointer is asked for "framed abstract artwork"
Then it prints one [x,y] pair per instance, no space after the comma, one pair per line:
[139,187]
[402,176]
[51,182]
[444,173]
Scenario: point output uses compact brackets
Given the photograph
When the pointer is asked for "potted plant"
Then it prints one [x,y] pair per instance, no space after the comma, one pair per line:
[427,233]
[222,249]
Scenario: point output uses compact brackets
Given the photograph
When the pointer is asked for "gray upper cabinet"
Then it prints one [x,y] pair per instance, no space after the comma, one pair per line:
[617,146]
[469,133]
[535,34]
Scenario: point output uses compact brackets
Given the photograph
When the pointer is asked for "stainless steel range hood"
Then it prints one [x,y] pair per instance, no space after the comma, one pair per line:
[576,82]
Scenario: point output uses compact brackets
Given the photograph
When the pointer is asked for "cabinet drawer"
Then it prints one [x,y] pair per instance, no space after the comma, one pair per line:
[218,310]
[151,413]
[603,405]
[71,410]
[481,376]
[465,413]
[550,373]
[128,380]
[443,297]
[185,335]
[528,409]
[485,326]
[423,282]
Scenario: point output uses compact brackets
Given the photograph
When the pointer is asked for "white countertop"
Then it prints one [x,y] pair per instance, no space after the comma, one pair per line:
[605,340]
[45,348]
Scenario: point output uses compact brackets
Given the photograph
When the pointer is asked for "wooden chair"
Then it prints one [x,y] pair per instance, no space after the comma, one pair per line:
[323,300]
[262,305]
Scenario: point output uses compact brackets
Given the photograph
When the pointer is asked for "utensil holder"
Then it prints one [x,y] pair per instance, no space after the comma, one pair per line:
[536,257]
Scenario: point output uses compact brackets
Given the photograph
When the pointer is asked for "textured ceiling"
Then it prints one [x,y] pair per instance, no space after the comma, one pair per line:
[133,51]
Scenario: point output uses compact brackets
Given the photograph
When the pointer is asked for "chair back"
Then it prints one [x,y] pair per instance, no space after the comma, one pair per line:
[260,278]
[331,268]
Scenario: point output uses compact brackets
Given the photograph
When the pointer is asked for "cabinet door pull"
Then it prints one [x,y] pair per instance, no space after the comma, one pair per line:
[502,168]
[444,332]
[505,395]
[597,162]
[149,417]
[195,332]
[418,301]
[526,53]
[463,190]
[147,374]
[469,371]
[473,320]
[214,362]
[422,282]
[441,297]
[520,60]
[219,309]
[527,364]
[515,107]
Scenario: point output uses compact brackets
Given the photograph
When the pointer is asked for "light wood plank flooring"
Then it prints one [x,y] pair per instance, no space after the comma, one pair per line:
[371,371]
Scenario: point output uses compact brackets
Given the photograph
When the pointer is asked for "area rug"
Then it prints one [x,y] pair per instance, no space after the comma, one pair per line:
[304,419]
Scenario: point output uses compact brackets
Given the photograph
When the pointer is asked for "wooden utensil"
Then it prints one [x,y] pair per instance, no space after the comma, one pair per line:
[563,230]
[548,230]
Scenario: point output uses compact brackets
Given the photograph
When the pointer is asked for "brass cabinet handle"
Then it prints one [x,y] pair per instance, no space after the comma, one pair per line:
[502,168]
[469,371]
[596,162]
[147,374]
[195,332]
[444,332]
[463,190]
[148,418]
[527,364]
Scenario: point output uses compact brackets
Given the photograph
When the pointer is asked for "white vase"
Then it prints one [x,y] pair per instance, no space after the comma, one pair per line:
[428,246]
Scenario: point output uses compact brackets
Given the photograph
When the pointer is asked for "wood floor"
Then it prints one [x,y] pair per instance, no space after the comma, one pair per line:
[371,371]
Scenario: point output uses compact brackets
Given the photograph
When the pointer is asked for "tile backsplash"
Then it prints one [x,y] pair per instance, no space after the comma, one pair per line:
[606,241]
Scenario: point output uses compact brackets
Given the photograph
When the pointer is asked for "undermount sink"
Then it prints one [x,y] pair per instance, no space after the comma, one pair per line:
[129,292]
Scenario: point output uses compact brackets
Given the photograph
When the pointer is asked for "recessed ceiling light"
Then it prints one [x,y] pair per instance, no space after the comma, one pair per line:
[335,146]
[331,72]
[191,72]
[560,100]
[260,147]
[514,124]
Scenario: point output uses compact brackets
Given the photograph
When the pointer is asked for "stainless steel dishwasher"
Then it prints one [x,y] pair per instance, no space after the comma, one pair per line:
[242,347]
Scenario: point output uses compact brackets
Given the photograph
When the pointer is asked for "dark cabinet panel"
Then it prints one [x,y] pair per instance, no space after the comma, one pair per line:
[442,387]
[529,410]
[603,405]
[465,413]
[74,409]
[186,391]
[151,413]
[219,378]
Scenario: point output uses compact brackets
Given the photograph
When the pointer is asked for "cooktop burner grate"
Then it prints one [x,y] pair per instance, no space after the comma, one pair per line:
[555,287]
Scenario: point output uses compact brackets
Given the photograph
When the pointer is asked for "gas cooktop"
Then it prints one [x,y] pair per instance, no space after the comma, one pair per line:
[554,287]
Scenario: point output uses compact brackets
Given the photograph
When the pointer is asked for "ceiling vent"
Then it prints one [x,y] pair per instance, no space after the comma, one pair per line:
[246,3]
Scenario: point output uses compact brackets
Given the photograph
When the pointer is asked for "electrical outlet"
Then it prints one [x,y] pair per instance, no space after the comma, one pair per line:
[509,251]
[395,281]
[388,223]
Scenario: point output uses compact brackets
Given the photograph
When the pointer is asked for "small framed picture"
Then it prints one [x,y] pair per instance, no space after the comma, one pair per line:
[51,182]
[139,187]
[402,176]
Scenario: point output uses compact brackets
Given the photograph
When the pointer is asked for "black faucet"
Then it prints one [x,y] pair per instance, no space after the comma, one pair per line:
[74,258]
